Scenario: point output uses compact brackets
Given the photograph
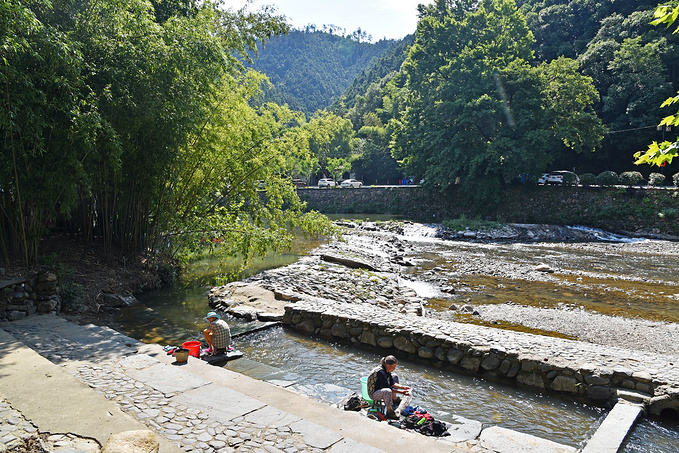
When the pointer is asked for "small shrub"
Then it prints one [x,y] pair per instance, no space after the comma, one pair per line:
[74,297]
[656,179]
[477,224]
[668,213]
[587,179]
[631,178]
[675,179]
[607,178]
[570,179]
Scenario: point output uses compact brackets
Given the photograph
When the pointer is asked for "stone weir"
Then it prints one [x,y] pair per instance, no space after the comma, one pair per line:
[586,372]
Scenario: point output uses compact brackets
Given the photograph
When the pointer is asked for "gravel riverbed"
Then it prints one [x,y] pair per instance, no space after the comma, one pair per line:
[626,282]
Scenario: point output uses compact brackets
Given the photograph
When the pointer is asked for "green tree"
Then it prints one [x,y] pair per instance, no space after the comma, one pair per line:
[663,153]
[330,137]
[48,124]
[147,124]
[477,112]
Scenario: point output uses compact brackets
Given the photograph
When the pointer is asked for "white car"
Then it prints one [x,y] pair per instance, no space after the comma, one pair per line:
[352,183]
[559,177]
[327,182]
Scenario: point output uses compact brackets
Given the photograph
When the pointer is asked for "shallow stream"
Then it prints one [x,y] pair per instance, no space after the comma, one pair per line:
[636,285]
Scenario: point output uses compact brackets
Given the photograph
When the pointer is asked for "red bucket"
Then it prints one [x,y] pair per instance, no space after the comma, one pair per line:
[193,347]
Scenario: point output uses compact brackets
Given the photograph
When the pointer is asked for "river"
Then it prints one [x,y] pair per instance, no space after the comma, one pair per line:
[617,281]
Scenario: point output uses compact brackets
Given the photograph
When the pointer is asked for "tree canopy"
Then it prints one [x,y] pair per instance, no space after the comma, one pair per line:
[477,112]
[131,116]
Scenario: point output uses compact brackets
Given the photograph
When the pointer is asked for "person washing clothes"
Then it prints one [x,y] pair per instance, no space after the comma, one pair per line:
[383,384]
[218,335]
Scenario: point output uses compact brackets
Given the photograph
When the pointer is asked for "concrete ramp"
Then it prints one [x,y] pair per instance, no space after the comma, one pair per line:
[612,432]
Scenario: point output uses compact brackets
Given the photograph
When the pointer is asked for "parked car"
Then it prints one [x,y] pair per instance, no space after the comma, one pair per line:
[352,183]
[559,177]
[299,182]
[327,182]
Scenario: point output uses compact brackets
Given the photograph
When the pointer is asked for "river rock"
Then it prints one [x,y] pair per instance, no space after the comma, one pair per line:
[138,441]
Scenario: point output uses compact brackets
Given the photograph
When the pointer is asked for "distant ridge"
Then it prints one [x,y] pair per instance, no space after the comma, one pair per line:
[311,69]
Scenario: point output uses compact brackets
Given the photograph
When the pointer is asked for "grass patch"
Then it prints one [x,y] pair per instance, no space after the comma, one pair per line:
[475,224]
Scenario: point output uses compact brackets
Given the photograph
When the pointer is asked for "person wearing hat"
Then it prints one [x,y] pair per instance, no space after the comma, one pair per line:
[218,334]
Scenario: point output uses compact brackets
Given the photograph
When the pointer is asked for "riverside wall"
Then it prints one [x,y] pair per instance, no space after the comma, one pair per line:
[578,370]
[650,211]
[29,294]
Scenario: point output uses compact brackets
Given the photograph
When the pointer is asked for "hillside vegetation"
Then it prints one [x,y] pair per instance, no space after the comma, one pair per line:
[310,68]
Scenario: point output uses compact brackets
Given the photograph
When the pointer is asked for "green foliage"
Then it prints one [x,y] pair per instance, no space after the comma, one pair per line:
[631,178]
[607,178]
[663,153]
[73,296]
[476,224]
[656,179]
[309,69]
[587,179]
[668,214]
[477,109]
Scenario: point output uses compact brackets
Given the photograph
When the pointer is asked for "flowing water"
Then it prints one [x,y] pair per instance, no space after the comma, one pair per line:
[329,371]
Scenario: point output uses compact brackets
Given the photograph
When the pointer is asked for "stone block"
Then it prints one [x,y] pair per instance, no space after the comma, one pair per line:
[425,352]
[529,366]
[531,380]
[643,387]
[403,344]
[385,342]
[339,330]
[565,384]
[367,337]
[306,327]
[505,441]
[595,379]
[491,362]
[16,315]
[514,369]
[504,366]
[642,376]
[454,356]
[598,392]
[138,441]
[470,363]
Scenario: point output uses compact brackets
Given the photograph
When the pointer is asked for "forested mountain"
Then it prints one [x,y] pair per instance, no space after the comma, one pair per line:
[632,65]
[388,63]
[310,68]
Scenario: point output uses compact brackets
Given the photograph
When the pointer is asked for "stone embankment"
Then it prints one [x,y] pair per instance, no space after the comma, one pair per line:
[370,306]
[582,370]
[24,296]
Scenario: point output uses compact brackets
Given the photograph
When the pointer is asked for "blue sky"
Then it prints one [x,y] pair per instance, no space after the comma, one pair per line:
[379,18]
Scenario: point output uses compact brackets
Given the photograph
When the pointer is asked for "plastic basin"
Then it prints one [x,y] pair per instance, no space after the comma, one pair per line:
[193,347]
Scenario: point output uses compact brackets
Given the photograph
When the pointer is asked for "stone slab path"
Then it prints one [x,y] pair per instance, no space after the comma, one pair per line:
[108,383]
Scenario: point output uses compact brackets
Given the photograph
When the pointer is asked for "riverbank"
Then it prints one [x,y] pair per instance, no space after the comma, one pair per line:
[384,247]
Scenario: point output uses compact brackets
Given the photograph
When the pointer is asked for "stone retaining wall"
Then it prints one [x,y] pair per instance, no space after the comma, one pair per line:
[24,296]
[653,211]
[583,371]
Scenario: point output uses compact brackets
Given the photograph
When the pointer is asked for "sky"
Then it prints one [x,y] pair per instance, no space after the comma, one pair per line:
[391,19]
